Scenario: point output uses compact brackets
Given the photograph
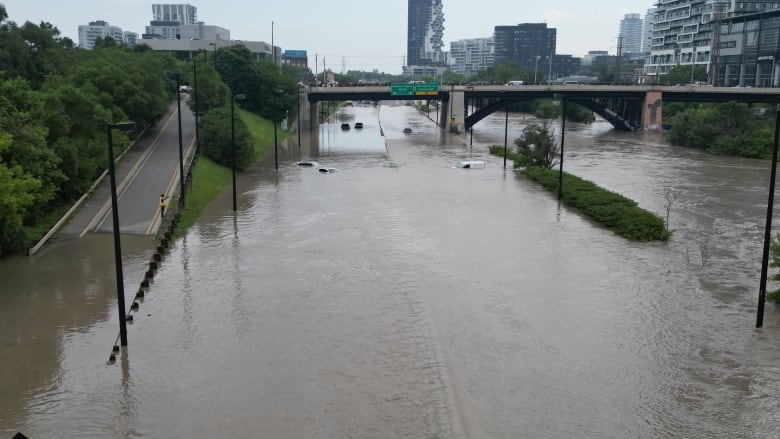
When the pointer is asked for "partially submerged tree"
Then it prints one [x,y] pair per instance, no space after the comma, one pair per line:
[774,247]
[538,146]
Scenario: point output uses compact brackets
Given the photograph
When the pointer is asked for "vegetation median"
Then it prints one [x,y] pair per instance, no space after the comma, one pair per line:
[538,150]
[612,210]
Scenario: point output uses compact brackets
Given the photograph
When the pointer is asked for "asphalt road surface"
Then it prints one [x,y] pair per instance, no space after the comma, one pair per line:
[148,169]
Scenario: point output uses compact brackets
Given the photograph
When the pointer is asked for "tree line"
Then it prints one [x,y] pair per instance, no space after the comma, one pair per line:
[56,99]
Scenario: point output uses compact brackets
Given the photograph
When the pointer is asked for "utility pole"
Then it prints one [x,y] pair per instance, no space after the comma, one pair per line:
[619,50]
[273,49]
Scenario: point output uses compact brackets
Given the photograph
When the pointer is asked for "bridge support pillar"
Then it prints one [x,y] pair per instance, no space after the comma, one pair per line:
[314,121]
[454,118]
[444,114]
[651,111]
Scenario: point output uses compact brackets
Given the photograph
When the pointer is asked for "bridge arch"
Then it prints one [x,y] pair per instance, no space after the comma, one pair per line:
[628,122]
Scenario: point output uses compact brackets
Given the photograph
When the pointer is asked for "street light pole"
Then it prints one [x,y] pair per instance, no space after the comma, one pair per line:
[120,282]
[233,142]
[506,131]
[693,62]
[768,228]
[563,134]
[273,50]
[233,147]
[181,152]
[273,115]
[215,54]
[197,113]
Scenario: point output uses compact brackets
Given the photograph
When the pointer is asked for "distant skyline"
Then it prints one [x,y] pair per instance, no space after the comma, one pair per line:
[350,34]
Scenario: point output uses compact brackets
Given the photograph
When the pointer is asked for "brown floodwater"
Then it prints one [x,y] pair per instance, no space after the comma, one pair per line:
[398,296]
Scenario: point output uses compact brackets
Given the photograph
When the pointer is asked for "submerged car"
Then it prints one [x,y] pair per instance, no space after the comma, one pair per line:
[307,163]
[407,131]
[344,126]
[358,125]
[471,164]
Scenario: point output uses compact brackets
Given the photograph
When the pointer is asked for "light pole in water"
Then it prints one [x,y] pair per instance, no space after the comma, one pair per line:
[273,115]
[125,127]
[234,98]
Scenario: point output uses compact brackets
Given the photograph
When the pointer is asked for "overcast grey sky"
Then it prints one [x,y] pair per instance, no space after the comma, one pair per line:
[355,35]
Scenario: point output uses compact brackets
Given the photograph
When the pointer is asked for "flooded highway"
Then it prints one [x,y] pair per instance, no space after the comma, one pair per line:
[401,297]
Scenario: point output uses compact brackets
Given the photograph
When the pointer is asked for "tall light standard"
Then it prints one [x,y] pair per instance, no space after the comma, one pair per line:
[273,115]
[693,62]
[768,228]
[506,130]
[299,120]
[471,128]
[124,127]
[181,151]
[239,97]
[197,113]
[215,54]
[273,49]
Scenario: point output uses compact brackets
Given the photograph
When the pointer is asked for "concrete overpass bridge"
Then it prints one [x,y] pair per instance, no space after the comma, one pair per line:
[626,107]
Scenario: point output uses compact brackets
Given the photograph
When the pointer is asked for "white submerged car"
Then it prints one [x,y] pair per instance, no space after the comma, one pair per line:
[471,164]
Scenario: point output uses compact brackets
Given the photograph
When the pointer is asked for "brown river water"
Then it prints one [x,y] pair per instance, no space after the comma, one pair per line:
[399,297]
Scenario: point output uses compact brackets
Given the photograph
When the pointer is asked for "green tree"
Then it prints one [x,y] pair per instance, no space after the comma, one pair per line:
[28,148]
[682,75]
[215,131]
[774,248]
[211,91]
[727,129]
[18,191]
[538,146]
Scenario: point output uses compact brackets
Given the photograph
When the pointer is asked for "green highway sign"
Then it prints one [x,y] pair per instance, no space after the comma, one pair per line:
[428,89]
[401,89]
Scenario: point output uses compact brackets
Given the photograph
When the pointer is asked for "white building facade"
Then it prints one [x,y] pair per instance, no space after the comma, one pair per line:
[470,56]
[647,31]
[89,33]
[180,22]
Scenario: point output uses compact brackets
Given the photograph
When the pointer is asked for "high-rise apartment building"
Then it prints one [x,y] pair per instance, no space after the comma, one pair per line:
[467,57]
[530,45]
[424,33]
[180,22]
[683,33]
[631,34]
[89,33]
[647,31]
[175,13]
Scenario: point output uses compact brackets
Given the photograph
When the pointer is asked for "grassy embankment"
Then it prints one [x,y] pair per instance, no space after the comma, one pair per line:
[609,209]
[209,179]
